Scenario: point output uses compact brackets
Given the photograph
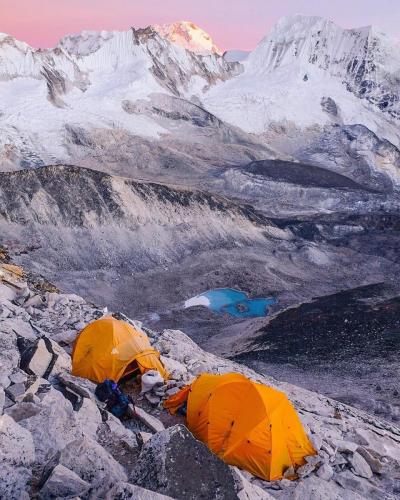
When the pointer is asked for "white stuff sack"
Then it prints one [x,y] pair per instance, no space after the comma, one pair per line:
[150,379]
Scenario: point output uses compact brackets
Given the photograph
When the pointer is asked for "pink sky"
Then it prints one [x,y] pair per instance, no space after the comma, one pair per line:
[231,23]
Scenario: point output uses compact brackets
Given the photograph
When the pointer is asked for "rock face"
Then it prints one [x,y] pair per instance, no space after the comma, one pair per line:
[175,463]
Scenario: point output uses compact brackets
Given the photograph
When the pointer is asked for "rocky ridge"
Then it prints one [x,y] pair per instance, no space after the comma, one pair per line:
[56,439]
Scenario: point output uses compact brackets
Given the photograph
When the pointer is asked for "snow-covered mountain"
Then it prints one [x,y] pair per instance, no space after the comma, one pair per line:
[305,62]
[305,77]
[185,34]
[97,81]
[188,36]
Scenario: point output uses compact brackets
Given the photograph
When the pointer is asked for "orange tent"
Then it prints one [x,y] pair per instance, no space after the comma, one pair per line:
[245,423]
[110,348]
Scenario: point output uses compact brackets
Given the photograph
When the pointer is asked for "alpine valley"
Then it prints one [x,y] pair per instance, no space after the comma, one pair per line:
[142,168]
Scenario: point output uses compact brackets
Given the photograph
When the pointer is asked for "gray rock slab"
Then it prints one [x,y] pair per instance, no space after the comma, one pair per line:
[360,465]
[63,483]
[150,421]
[126,491]
[92,463]
[173,462]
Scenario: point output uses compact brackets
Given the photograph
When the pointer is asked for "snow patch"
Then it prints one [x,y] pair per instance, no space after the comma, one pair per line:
[199,300]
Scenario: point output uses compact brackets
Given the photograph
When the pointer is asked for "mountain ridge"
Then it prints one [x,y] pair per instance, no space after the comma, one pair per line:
[305,76]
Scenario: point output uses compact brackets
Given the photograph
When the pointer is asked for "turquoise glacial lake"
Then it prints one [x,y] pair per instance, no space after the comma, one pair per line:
[233,302]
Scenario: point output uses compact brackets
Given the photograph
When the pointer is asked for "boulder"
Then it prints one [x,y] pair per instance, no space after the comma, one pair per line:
[360,465]
[172,391]
[325,472]
[65,337]
[125,491]
[328,449]
[305,470]
[4,312]
[92,463]
[6,292]
[18,377]
[88,417]
[2,399]
[173,462]
[62,361]
[16,312]
[339,460]
[63,483]
[54,426]
[152,399]
[21,411]
[9,354]
[118,432]
[16,443]
[36,357]
[21,392]
[14,482]
[313,459]
[316,441]
[151,422]
[16,392]
[374,463]
[43,357]
[314,488]
[23,294]
[81,386]
[358,485]
[17,456]
[143,437]
[176,369]
[379,445]
[343,446]
[246,490]
[34,301]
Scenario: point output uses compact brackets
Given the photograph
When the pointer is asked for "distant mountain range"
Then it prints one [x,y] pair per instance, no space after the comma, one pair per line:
[292,95]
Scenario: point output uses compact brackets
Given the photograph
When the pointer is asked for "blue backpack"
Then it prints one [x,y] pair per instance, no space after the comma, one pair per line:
[116,401]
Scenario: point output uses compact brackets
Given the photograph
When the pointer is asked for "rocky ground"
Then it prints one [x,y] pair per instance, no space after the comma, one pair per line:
[58,441]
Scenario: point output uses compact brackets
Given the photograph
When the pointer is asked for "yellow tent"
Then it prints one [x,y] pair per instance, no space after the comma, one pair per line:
[245,423]
[110,348]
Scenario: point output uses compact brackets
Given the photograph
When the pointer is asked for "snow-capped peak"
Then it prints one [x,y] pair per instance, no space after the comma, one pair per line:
[364,60]
[189,36]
